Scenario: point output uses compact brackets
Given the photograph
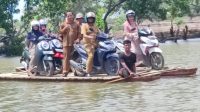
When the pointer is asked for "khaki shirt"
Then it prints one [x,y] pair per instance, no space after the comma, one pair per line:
[70,33]
[87,30]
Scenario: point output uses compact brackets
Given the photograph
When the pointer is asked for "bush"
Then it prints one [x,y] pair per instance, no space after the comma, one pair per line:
[1,50]
[15,47]
[14,50]
[99,18]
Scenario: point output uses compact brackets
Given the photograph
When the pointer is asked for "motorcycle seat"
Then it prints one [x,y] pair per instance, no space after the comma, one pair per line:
[79,46]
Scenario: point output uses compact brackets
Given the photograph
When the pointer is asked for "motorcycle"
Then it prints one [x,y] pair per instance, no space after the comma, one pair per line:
[44,57]
[58,54]
[105,58]
[149,45]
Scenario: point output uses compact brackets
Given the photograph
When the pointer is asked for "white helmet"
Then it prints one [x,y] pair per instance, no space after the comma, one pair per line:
[130,12]
[43,22]
[90,14]
[35,23]
[79,15]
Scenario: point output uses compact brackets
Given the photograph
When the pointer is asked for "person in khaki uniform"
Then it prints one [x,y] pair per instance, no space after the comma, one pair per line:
[89,31]
[71,33]
[79,20]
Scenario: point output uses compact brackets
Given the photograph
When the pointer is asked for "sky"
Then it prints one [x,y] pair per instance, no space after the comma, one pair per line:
[21,8]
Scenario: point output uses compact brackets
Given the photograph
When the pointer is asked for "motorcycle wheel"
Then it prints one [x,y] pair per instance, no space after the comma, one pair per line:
[76,72]
[156,60]
[50,68]
[112,66]
[58,66]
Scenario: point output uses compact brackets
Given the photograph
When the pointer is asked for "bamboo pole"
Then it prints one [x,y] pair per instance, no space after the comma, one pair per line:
[121,78]
[142,74]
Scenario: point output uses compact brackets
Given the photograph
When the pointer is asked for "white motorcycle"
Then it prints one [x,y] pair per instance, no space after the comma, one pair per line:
[149,45]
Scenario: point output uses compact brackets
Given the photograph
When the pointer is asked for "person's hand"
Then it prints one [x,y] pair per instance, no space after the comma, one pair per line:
[91,37]
[132,74]
[134,34]
[77,41]
[26,48]
[66,28]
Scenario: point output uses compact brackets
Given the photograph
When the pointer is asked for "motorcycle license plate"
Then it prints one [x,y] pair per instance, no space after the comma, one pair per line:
[48,52]
[59,50]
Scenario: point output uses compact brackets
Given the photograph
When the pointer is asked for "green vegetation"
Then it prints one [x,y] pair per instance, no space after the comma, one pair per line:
[109,13]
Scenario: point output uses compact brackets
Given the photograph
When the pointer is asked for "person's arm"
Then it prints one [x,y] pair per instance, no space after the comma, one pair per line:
[134,68]
[129,32]
[27,41]
[134,61]
[126,31]
[79,35]
[63,28]
[84,32]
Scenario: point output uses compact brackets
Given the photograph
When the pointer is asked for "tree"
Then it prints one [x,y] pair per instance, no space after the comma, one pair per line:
[7,9]
[111,5]
[105,11]
[194,7]
[99,18]
[7,23]
[54,10]
[176,8]
[146,9]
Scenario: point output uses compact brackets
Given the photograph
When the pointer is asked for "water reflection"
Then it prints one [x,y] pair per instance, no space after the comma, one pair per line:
[163,95]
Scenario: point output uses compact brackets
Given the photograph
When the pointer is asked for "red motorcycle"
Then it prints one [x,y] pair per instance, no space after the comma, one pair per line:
[58,55]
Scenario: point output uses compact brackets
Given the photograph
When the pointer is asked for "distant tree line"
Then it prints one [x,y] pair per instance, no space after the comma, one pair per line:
[12,31]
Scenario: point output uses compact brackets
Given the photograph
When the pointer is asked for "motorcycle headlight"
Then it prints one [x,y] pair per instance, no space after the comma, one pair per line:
[56,43]
[45,45]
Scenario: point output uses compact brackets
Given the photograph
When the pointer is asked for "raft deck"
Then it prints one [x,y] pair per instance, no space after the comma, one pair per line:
[145,75]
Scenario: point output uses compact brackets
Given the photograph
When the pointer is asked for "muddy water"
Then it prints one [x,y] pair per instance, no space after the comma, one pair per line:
[163,95]
[8,64]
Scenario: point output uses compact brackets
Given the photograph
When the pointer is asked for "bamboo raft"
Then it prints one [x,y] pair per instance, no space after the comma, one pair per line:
[144,75]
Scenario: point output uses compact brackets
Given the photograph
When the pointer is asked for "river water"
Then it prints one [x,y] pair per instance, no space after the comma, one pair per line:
[162,95]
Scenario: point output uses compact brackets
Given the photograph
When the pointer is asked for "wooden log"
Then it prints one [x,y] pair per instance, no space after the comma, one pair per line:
[66,79]
[180,72]
[145,74]
[20,69]
[142,76]
[145,78]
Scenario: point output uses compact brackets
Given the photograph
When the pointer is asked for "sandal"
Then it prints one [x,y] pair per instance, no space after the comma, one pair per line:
[64,74]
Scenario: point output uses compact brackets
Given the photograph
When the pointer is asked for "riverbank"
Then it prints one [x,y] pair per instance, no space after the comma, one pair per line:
[165,36]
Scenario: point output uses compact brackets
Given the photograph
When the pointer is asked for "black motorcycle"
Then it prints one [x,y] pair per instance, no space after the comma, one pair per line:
[44,57]
[106,59]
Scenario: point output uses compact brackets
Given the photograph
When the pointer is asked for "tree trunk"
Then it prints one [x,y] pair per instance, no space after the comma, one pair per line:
[110,9]
[172,29]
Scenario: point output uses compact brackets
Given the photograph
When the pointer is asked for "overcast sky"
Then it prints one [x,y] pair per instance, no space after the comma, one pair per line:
[21,8]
